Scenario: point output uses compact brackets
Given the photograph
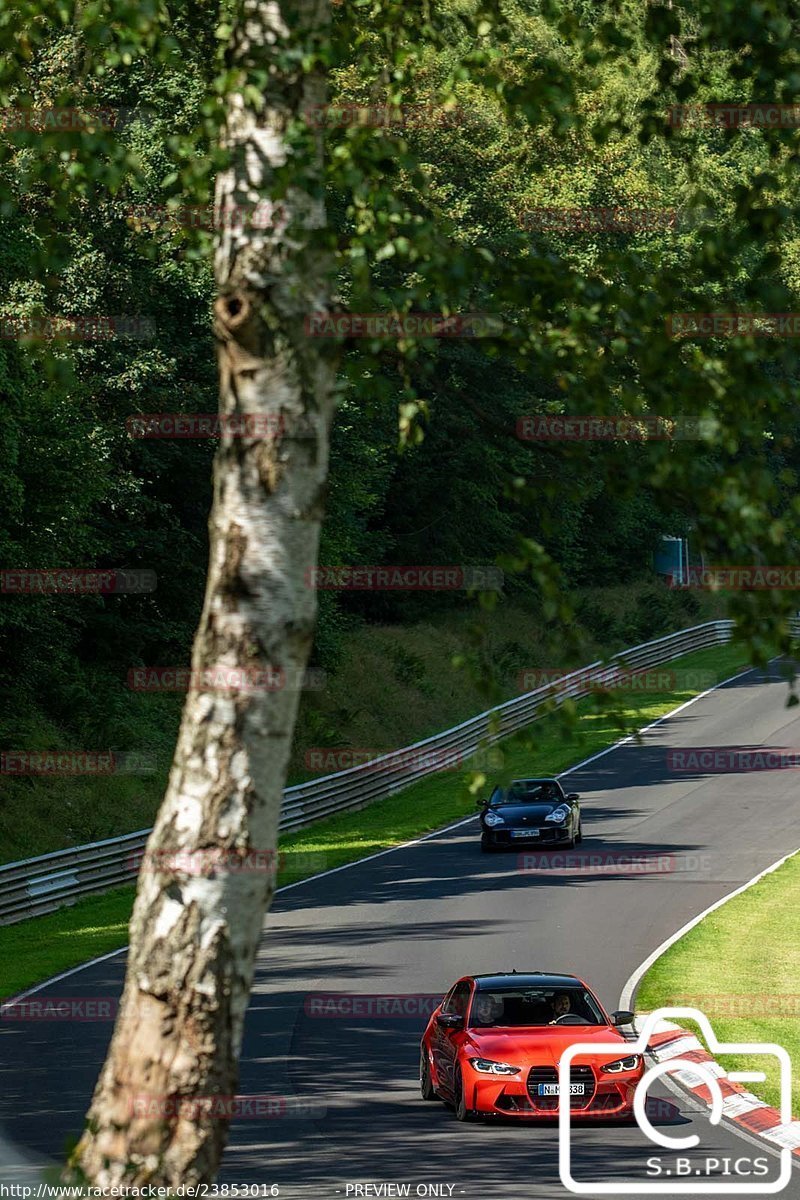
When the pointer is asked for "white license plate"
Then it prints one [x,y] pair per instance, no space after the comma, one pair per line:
[525,833]
[553,1089]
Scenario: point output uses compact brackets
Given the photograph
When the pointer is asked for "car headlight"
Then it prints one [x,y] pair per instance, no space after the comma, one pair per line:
[493,818]
[487,1067]
[559,815]
[623,1064]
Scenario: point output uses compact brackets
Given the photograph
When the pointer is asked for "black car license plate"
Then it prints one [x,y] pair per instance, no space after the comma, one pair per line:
[553,1089]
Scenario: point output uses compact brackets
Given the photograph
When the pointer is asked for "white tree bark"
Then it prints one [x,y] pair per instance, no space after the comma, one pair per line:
[195,931]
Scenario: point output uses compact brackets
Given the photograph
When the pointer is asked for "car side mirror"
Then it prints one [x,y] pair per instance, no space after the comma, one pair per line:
[623,1017]
[574,796]
[481,803]
[450,1021]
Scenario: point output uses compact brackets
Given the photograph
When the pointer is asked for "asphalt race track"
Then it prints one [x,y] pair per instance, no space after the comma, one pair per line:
[410,922]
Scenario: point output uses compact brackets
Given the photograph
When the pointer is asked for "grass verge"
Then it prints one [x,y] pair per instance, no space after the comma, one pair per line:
[34,950]
[740,967]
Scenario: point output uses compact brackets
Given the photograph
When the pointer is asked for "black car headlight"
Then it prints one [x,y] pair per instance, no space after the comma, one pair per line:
[493,818]
[487,1067]
[623,1064]
[558,815]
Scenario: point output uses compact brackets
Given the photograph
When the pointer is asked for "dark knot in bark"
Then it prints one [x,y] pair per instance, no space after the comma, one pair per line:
[232,311]
[238,323]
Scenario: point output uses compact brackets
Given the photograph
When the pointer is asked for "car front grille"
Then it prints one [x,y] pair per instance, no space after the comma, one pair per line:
[584,1075]
[607,1102]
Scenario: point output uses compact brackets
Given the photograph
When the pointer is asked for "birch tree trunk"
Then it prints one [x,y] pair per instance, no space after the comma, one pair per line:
[196,925]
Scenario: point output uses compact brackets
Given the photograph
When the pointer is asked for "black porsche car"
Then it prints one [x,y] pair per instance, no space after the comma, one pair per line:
[530,812]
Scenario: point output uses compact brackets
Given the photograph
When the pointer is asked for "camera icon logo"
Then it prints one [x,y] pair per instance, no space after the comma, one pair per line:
[710,1079]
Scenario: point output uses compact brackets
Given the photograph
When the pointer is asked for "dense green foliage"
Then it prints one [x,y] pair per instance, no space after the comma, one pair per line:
[559,104]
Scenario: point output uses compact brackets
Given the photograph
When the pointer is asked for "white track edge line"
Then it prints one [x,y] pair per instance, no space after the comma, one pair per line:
[629,990]
[740,1131]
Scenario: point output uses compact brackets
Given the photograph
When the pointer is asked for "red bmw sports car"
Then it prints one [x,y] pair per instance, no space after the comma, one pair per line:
[493,1045]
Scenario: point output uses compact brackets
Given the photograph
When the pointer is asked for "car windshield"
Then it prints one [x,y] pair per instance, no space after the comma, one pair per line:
[532,792]
[511,1007]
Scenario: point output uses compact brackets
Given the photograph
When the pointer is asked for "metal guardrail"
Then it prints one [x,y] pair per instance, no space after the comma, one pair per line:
[39,885]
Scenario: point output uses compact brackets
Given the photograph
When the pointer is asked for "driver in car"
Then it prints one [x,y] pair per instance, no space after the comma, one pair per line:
[561,1006]
[486,1010]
